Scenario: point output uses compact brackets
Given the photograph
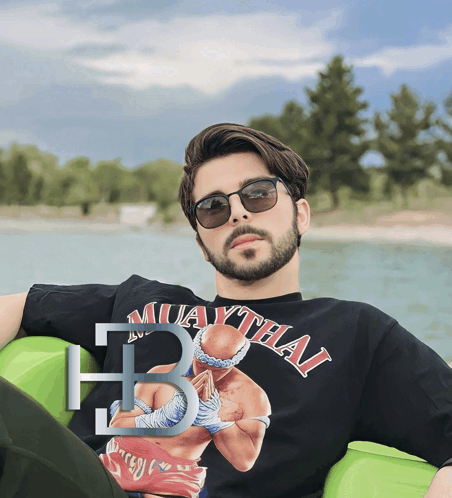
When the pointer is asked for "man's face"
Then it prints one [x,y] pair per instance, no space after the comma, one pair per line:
[276,229]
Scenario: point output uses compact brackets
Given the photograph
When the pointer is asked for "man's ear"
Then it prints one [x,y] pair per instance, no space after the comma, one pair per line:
[303,215]
[201,246]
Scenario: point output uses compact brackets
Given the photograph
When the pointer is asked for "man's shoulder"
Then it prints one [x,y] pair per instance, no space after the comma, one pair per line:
[244,386]
[138,284]
[344,306]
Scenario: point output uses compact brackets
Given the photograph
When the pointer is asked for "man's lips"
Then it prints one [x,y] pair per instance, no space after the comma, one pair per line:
[243,239]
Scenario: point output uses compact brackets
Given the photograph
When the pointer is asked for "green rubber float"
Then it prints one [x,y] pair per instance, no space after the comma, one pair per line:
[38,366]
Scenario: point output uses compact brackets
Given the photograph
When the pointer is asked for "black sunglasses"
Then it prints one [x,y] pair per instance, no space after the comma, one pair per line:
[256,197]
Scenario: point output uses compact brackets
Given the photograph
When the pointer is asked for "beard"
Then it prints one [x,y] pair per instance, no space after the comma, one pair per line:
[281,253]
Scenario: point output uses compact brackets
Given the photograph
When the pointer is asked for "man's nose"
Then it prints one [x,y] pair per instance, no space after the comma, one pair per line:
[238,210]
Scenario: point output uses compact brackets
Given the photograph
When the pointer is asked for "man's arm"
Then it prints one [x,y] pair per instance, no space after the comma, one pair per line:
[241,443]
[441,486]
[145,391]
[11,312]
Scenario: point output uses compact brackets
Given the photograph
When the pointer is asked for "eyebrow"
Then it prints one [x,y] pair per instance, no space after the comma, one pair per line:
[241,185]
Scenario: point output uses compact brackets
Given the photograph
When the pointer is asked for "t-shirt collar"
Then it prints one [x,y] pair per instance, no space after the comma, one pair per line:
[223,301]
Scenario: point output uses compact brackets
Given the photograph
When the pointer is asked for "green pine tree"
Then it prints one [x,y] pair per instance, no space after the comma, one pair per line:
[406,141]
[335,136]
[289,127]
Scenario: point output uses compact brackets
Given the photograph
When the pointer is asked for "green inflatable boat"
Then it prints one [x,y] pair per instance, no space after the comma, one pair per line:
[37,365]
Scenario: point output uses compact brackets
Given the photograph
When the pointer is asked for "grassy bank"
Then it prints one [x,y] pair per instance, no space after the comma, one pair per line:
[425,197]
[433,200]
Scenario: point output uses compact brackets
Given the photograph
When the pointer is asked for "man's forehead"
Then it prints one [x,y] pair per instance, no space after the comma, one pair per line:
[220,174]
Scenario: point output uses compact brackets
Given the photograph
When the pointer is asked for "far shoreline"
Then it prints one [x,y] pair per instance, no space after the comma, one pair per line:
[423,235]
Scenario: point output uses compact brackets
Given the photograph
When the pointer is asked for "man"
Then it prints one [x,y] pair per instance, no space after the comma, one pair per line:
[334,371]
[168,465]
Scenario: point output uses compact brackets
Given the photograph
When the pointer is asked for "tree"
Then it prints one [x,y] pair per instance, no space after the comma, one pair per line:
[335,136]
[108,176]
[21,178]
[58,187]
[160,180]
[37,189]
[83,190]
[289,127]
[160,183]
[43,167]
[3,182]
[444,144]
[405,139]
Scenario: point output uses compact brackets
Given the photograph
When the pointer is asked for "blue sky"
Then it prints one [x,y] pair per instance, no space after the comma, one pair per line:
[137,80]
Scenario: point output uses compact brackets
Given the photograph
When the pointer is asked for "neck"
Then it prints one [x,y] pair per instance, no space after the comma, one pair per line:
[284,281]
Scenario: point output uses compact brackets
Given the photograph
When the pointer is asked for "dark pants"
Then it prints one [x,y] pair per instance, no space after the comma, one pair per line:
[39,457]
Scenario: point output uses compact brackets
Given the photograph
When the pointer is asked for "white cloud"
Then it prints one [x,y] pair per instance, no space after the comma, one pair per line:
[40,28]
[392,59]
[209,53]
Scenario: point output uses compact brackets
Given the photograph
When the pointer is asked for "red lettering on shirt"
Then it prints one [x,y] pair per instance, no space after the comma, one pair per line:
[197,317]
[198,314]
[276,335]
[313,362]
[297,348]
[250,317]
[164,313]
[221,314]
[148,317]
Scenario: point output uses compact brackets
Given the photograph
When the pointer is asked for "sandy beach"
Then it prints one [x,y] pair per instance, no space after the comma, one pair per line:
[406,227]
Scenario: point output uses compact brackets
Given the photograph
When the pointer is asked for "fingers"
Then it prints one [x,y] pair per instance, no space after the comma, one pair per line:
[205,392]
[204,385]
[199,376]
[198,383]
[209,387]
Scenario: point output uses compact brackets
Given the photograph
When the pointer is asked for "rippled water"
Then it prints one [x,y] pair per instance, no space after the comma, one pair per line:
[411,283]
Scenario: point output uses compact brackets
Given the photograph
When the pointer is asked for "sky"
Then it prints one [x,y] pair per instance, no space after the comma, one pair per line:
[137,80]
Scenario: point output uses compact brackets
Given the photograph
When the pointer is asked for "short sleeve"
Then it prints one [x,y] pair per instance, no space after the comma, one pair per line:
[447,464]
[407,399]
[69,312]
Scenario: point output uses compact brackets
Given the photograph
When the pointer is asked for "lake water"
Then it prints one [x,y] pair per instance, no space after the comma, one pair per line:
[411,283]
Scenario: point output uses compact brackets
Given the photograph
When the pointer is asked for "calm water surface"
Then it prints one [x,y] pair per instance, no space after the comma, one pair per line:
[411,283]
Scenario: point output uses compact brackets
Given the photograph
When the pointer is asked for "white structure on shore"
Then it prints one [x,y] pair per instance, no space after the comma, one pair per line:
[136,214]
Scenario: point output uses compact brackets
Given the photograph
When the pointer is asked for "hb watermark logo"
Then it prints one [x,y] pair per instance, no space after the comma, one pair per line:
[128,377]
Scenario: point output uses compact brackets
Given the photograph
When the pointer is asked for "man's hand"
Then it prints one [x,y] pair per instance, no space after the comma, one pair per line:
[11,312]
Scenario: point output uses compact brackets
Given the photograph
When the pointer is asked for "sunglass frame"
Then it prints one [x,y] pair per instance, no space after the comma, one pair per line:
[273,180]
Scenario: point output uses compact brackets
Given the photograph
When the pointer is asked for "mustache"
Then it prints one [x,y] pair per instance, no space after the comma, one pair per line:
[246,230]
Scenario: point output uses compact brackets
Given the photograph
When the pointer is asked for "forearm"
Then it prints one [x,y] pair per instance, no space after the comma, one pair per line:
[240,443]
[441,486]
[144,416]
[11,312]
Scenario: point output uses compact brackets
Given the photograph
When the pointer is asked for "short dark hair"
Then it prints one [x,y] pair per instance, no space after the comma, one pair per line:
[224,139]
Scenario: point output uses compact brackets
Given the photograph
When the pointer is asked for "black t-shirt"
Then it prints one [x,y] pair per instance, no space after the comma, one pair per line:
[334,371]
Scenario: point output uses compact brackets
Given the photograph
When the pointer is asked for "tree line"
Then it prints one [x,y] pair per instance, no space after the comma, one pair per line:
[332,136]
[28,176]
[330,133]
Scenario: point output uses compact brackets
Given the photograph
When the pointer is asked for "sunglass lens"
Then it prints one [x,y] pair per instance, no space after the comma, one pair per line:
[213,212]
[259,196]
